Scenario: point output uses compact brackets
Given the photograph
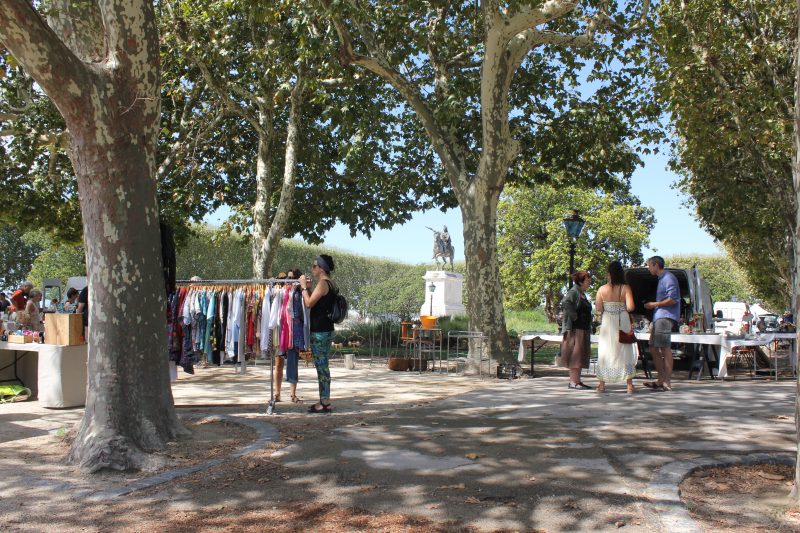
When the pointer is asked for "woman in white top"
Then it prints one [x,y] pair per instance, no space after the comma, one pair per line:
[34,319]
[616,362]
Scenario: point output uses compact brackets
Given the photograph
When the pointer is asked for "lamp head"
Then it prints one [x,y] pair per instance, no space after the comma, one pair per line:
[574,224]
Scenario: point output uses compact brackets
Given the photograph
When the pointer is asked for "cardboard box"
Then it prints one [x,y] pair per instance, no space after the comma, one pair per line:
[63,329]
[20,339]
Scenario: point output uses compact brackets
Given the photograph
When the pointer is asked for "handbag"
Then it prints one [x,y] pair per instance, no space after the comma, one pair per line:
[626,337]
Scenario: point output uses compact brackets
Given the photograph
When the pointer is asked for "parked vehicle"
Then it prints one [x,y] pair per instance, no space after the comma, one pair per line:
[729,316]
[695,300]
[695,295]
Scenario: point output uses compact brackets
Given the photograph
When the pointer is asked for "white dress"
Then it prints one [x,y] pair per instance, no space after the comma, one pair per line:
[616,362]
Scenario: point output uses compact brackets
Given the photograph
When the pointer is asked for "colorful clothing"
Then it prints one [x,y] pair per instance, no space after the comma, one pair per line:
[321,348]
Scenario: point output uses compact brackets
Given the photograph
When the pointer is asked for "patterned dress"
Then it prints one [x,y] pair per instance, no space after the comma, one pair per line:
[616,362]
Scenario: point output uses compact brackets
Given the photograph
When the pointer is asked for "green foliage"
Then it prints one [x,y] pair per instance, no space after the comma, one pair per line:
[246,57]
[726,280]
[534,247]
[56,260]
[725,71]
[19,254]
[35,173]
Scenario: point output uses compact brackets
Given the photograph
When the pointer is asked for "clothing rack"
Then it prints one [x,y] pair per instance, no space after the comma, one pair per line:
[269,281]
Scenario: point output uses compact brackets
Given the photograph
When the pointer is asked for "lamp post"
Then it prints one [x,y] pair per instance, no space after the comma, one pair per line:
[574,226]
[431,289]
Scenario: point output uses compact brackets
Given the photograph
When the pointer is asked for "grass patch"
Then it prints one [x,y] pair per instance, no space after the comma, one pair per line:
[528,320]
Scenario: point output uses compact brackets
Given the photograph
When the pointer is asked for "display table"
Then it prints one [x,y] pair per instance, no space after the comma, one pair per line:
[56,374]
[726,345]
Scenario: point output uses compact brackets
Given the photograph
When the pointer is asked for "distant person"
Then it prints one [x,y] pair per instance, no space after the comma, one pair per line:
[71,302]
[666,317]
[320,301]
[576,329]
[616,362]
[83,308]
[5,303]
[293,339]
[32,318]
[20,296]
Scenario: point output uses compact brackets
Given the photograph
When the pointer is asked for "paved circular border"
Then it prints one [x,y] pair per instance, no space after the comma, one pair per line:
[664,491]
[266,433]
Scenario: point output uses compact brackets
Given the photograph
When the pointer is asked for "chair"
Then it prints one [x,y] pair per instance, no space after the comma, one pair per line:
[408,338]
[741,357]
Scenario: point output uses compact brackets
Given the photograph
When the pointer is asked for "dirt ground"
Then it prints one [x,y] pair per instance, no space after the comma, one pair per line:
[743,499]
[728,499]
[209,440]
[542,461]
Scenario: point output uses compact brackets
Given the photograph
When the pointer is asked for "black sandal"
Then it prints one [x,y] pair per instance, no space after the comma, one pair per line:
[319,408]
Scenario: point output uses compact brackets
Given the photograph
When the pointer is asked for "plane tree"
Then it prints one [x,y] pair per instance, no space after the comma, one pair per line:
[553,85]
[304,145]
[725,75]
[98,63]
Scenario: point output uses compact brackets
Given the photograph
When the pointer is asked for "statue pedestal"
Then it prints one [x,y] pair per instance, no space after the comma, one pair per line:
[446,298]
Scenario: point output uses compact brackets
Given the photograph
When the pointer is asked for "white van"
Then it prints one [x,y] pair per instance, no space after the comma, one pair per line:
[728,316]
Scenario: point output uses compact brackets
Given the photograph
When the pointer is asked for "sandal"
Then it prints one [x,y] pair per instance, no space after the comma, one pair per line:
[601,387]
[651,384]
[295,399]
[277,398]
[319,408]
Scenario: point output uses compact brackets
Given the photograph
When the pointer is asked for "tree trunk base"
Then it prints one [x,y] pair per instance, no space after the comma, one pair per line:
[116,452]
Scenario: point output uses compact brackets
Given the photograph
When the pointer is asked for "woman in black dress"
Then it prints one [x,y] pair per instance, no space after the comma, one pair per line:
[576,329]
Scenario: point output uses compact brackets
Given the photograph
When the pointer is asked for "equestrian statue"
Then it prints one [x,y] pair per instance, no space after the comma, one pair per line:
[442,247]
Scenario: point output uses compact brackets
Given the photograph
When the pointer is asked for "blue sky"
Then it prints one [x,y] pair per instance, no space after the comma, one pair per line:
[676,231]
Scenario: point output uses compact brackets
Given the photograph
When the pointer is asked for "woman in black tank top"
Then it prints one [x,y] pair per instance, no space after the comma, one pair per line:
[320,302]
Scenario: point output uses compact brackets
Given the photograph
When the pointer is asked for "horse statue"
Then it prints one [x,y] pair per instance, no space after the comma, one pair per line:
[442,247]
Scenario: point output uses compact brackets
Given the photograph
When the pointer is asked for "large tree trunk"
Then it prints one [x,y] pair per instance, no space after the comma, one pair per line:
[104,79]
[796,247]
[129,405]
[485,305]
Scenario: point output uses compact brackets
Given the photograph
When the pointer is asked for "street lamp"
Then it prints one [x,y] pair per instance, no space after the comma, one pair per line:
[574,226]
[431,289]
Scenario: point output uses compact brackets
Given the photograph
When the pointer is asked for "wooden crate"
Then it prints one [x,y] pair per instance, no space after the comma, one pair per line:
[63,329]
[20,339]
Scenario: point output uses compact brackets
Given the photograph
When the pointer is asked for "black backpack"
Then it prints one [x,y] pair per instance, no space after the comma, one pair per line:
[339,308]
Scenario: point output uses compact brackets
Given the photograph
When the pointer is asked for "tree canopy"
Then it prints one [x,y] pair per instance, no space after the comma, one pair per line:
[725,72]
[534,246]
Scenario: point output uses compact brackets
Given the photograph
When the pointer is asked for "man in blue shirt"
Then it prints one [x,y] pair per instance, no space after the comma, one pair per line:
[666,315]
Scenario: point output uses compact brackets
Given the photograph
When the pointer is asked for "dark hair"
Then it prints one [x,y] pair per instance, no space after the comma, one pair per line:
[296,273]
[328,259]
[72,291]
[616,273]
[580,276]
[3,294]
[658,260]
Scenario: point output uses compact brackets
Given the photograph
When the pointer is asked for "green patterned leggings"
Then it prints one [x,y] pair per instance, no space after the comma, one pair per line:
[321,348]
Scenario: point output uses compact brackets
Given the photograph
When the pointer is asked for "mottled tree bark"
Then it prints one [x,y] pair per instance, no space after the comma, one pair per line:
[796,247]
[265,243]
[110,101]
